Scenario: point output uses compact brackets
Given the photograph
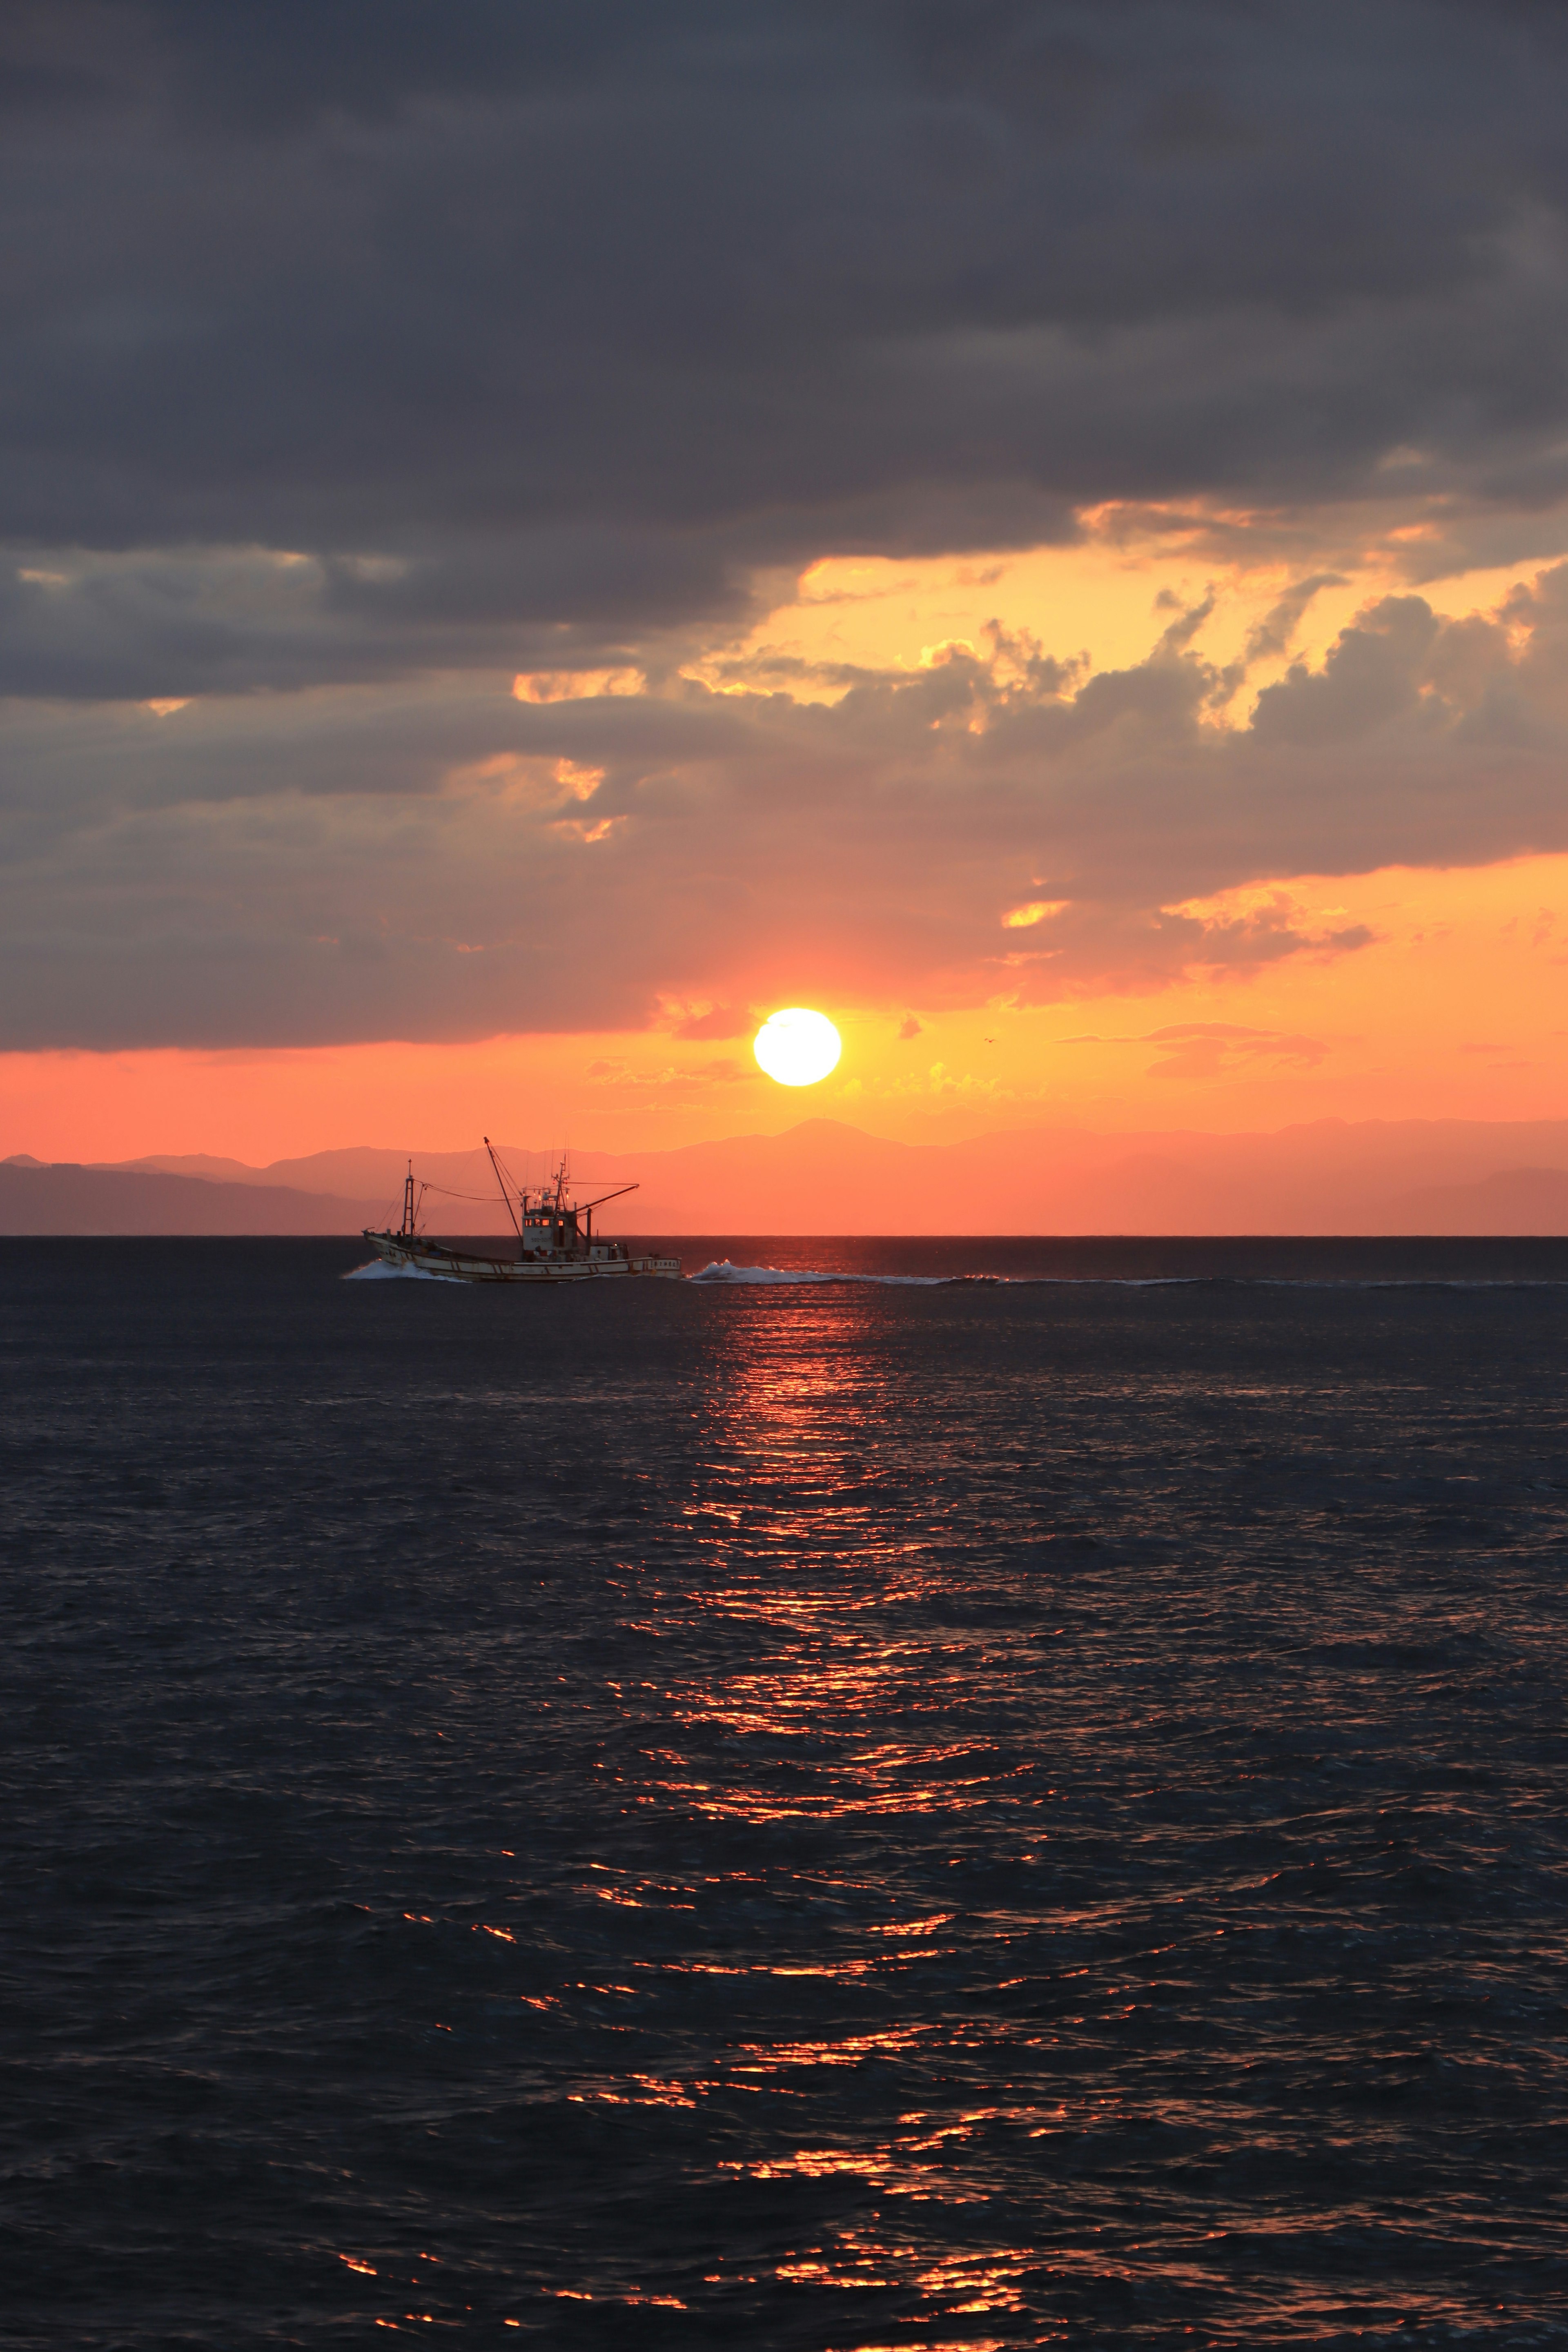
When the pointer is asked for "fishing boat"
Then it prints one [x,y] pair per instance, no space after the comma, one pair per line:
[555,1238]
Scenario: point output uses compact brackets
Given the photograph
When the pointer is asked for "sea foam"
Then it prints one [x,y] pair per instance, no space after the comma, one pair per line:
[724,1272]
[379,1270]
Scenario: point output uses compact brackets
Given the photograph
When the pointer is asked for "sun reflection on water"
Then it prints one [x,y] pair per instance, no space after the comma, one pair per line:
[898,1922]
[843,1697]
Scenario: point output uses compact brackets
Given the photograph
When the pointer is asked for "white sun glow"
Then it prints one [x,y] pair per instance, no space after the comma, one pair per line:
[798,1048]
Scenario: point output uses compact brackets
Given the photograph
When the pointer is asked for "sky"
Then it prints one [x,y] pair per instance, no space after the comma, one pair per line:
[531,537]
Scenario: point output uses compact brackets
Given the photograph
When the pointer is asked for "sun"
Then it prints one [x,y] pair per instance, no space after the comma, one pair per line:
[798,1048]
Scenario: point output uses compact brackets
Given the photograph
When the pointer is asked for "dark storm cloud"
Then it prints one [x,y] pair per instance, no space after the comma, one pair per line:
[160,622]
[356,278]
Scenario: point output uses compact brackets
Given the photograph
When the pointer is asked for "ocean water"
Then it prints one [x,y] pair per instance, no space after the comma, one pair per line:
[817,1815]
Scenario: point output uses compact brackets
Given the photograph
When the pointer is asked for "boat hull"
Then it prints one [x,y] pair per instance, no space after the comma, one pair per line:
[431,1258]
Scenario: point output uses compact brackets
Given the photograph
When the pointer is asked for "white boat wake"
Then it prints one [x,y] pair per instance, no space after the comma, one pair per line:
[378,1271]
[724,1271]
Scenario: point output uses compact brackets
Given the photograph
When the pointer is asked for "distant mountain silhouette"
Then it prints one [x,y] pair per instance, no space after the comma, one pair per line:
[1514,1201]
[821,1176]
[67,1198]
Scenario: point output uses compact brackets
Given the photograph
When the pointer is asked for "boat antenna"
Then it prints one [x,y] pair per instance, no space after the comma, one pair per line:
[506,1196]
[410,1206]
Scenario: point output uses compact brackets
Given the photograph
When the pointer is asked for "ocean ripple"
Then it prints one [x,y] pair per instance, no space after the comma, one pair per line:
[813,1815]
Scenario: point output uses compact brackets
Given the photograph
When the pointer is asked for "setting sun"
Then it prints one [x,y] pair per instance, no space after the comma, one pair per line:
[798,1048]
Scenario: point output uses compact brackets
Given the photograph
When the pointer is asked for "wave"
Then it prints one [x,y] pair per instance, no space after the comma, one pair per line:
[379,1270]
[722,1271]
[724,1275]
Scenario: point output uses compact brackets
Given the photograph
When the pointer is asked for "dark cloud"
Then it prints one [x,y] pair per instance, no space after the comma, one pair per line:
[359,353]
[356,278]
[1373,673]
[436,860]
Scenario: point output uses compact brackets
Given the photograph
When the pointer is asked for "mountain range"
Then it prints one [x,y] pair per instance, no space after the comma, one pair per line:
[1328,1177]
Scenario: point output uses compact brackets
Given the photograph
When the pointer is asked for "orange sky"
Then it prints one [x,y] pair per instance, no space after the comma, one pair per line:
[1457,1004]
[1458,1009]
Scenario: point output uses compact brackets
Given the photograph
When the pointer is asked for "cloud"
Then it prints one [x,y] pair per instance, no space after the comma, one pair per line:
[399,436]
[1216,1049]
[720,1021]
[576,686]
[307,866]
[570,326]
[642,1085]
[1373,673]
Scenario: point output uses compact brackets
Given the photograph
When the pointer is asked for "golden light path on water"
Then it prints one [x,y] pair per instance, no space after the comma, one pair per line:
[836,1707]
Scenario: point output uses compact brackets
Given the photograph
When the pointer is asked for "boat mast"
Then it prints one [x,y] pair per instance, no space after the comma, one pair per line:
[558,1214]
[406,1228]
[506,1196]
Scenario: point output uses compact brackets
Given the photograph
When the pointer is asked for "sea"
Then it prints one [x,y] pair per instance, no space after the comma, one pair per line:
[893,1794]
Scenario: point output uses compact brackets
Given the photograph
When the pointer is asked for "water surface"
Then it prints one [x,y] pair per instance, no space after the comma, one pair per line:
[801,1815]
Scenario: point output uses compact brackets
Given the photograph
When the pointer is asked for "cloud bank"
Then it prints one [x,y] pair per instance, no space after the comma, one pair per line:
[360,359]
